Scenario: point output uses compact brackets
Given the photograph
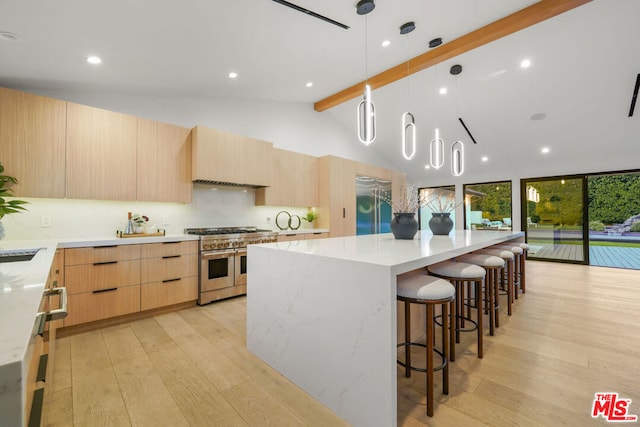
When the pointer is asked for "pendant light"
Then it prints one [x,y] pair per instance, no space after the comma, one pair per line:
[457,148]
[408,119]
[436,151]
[366,110]
[457,158]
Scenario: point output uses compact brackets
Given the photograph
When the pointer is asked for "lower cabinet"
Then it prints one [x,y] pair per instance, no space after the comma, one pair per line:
[102,304]
[302,236]
[168,292]
[110,281]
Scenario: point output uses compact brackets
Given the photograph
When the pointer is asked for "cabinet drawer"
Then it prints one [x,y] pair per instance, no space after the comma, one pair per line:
[311,236]
[159,269]
[160,294]
[290,237]
[158,250]
[95,254]
[99,305]
[90,277]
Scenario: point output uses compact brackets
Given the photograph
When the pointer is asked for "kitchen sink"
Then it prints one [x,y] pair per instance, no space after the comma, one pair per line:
[14,255]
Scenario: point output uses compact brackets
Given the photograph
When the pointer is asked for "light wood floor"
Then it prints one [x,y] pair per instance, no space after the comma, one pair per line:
[573,334]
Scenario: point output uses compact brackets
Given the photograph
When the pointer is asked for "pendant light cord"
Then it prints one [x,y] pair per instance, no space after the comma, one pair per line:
[366,51]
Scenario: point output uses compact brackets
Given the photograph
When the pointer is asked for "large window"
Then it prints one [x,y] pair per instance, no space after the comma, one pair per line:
[487,206]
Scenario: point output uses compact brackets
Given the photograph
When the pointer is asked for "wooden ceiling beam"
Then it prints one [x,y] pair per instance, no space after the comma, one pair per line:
[534,14]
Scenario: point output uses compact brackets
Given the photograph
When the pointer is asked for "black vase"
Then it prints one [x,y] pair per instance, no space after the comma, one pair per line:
[440,223]
[404,225]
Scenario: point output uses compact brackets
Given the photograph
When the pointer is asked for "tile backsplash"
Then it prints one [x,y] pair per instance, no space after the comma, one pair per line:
[211,206]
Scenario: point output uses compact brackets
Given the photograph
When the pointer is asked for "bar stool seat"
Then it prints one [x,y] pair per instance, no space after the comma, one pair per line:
[429,291]
[491,264]
[459,273]
[508,272]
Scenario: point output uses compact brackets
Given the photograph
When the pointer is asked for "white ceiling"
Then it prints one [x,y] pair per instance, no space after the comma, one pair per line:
[584,65]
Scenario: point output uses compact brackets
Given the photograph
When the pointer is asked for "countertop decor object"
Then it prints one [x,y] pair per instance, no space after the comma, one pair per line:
[160,232]
[404,225]
[440,223]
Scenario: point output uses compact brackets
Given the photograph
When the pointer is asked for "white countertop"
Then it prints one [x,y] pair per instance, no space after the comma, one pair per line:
[22,283]
[401,255]
[21,287]
[108,241]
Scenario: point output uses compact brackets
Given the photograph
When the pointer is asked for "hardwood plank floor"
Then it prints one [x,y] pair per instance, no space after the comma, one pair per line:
[573,334]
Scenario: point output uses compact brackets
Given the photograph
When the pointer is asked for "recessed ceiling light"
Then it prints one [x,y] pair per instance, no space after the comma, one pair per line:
[545,150]
[386,43]
[233,75]
[6,35]
[443,91]
[309,84]
[525,63]
[485,159]
[93,60]
[427,167]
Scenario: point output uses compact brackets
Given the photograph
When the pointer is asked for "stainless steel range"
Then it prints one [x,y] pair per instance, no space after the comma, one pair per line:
[223,259]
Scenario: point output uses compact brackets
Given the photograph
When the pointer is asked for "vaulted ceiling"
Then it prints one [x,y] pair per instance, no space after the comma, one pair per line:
[583,68]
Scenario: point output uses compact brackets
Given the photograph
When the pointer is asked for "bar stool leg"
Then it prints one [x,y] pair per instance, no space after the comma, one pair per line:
[407,338]
[429,384]
[478,296]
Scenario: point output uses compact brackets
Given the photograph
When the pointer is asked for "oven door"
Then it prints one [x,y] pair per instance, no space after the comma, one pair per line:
[216,270]
[241,267]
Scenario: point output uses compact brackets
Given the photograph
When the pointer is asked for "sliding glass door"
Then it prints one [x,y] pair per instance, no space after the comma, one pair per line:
[614,220]
[553,218]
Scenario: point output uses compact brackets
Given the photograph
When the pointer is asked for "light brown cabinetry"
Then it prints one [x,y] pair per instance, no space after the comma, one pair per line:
[32,143]
[295,181]
[224,157]
[302,236]
[102,282]
[109,281]
[101,154]
[164,162]
[168,274]
[337,196]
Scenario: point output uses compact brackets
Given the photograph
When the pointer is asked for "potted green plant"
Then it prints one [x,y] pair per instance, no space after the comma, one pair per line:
[8,206]
[311,215]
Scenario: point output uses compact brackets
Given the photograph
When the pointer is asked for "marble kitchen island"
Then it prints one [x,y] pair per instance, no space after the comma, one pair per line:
[323,313]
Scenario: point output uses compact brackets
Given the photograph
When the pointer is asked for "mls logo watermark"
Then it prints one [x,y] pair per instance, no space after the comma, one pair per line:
[612,408]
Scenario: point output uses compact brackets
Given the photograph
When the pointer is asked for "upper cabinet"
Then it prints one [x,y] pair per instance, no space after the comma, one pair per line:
[32,143]
[164,162]
[295,181]
[222,157]
[101,154]
[337,195]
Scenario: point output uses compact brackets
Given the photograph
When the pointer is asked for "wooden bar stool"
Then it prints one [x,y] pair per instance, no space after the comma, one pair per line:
[519,275]
[506,274]
[428,291]
[459,274]
[492,266]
